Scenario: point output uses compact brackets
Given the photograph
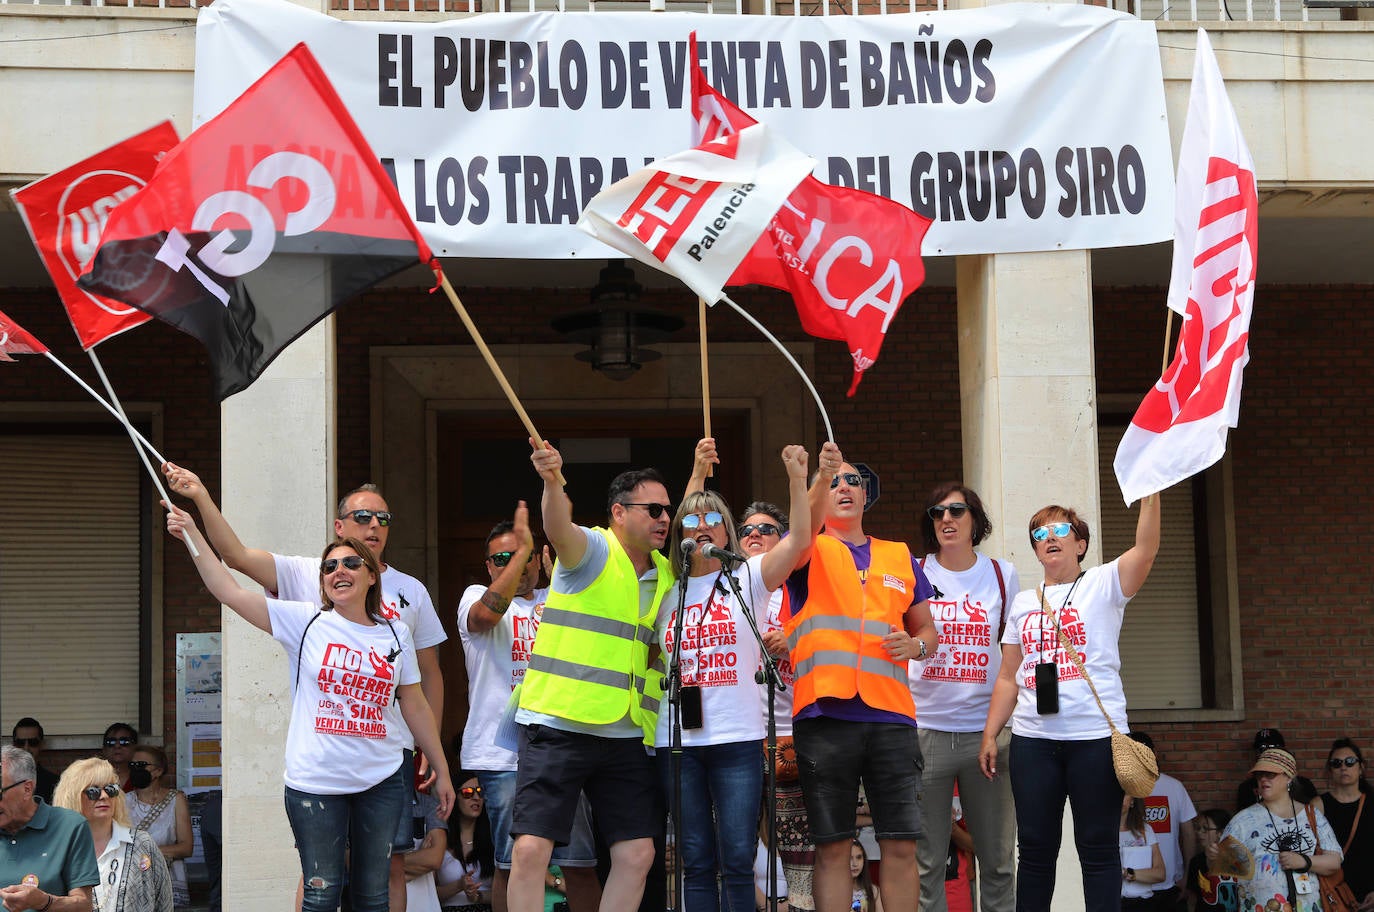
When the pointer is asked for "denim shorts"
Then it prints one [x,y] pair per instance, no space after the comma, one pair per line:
[498,790]
[834,756]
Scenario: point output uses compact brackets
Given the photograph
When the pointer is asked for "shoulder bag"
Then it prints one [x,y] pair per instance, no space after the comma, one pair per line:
[1335,892]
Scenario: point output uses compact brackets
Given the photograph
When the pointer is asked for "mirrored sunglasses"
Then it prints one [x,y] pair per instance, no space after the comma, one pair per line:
[93,792]
[501,558]
[1058,530]
[352,562]
[364,517]
[853,479]
[956,510]
[121,742]
[749,529]
[470,791]
[711,519]
[1336,763]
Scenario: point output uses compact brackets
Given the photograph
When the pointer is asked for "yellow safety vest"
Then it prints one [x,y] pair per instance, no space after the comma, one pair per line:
[590,662]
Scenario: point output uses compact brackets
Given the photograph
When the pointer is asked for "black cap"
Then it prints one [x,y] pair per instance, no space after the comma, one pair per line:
[1268,737]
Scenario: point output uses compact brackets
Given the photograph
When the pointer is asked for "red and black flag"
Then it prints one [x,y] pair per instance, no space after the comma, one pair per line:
[259,224]
[15,340]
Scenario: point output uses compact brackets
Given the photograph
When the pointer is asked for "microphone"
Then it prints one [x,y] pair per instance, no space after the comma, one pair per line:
[722,555]
[688,548]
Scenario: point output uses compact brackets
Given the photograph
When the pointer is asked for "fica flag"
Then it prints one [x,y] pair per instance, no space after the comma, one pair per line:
[695,214]
[848,257]
[65,213]
[259,224]
[15,340]
[1181,425]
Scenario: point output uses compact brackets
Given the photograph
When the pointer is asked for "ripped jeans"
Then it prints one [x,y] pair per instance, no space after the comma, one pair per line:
[328,827]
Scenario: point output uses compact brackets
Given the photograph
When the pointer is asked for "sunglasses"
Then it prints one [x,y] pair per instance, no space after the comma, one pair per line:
[1058,530]
[93,792]
[118,742]
[749,529]
[1336,763]
[352,562]
[139,764]
[955,509]
[364,517]
[711,520]
[1265,775]
[27,742]
[655,510]
[853,479]
[470,791]
[501,558]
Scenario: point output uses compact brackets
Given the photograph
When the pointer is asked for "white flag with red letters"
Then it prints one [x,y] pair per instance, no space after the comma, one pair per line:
[697,213]
[1181,425]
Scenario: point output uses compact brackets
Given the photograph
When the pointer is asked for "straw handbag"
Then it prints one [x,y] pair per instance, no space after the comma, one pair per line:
[1136,767]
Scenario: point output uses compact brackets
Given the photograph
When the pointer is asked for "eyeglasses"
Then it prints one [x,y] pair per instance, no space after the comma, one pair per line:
[139,764]
[93,792]
[711,520]
[352,562]
[470,791]
[1058,530]
[364,517]
[120,742]
[6,788]
[1337,762]
[749,529]
[955,509]
[853,479]
[655,510]
[501,558]
[27,742]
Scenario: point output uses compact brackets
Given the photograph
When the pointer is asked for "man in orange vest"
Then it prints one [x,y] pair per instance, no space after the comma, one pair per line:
[859,612]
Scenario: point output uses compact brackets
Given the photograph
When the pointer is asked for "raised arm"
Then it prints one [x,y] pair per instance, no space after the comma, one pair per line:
[1134,566]
[779,562]
[818,497]
[251,606]
[703,459]
[567,539]
[257,564]
[486,613]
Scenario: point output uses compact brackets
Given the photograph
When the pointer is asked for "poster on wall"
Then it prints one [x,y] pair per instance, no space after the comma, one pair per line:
[1016,128]
[199,688]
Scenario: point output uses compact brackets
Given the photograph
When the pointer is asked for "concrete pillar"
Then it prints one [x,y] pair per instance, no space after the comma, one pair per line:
[279,465]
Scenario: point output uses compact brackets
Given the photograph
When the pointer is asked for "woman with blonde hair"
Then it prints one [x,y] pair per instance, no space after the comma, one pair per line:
[133,876]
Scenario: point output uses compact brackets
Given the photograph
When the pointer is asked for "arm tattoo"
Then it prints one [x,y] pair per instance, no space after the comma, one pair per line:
[494,602]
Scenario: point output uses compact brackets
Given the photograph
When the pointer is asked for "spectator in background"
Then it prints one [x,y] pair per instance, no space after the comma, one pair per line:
[118,747]
[28,735]
[163,813]
[48,860]
[961,868]
[1247,793]
[866,899]
[464,881]
[1344,807]
[426,856]
[1206,891]
[1169,812]
[1142,865]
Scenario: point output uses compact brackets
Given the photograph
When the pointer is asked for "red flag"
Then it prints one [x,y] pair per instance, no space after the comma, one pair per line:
[259,224]
[1183,421]
[65,212]
[849,258]
[15,340]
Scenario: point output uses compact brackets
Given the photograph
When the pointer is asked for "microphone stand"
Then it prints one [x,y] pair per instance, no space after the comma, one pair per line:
[675,734]
[769,675]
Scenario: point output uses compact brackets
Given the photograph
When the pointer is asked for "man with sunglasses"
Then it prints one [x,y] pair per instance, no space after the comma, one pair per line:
[589,700]
[47,857]
[497,623]
[858,613]
[28,734]
[362,514]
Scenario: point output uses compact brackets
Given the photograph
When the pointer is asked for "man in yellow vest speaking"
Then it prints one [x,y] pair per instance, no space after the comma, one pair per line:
[858,612]
[589,701]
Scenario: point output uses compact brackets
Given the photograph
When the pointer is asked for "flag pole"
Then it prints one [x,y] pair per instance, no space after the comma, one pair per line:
[705,377]
[133,435]
[491,363]
[1168,331]
[829,432]
[109,408]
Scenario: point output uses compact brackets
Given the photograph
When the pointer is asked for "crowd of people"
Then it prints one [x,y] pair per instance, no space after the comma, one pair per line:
[705,693]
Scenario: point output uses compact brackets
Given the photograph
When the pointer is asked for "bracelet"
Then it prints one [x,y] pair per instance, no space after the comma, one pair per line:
[44,907]
[1307,864]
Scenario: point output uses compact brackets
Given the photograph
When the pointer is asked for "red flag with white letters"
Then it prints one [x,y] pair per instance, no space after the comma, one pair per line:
[849,258]
[65,213]
[1182,424]
[259,224]
[15,340]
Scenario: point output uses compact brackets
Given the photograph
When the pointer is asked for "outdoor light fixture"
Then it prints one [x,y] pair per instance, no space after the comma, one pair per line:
[616,326]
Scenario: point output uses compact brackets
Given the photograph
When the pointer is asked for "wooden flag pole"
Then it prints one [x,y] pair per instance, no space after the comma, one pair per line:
[705,377]
[133,435]
[1168,331]
[491,363]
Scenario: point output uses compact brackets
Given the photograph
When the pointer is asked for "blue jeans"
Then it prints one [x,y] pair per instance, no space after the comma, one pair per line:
[324,825]
[498,788]
[1043,774]
[729,779]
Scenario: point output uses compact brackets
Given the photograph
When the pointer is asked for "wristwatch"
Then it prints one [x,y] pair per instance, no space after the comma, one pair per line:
[924,651]
[1130,874]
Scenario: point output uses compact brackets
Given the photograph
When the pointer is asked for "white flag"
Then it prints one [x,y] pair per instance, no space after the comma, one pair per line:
[1181,425]
[696,214]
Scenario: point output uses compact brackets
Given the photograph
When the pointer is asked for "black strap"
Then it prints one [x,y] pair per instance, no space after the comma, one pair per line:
[300,650]
[1002,588]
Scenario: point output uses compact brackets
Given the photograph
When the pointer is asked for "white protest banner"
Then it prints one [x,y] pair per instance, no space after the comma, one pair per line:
[1016,128]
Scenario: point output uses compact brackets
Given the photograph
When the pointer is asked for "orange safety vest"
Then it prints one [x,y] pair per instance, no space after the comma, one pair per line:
[836,641]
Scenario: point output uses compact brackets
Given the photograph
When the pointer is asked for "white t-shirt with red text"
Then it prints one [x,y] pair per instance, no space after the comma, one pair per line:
[953,687]
[346,731]
[496,660]
[719,654]
[1091,617]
